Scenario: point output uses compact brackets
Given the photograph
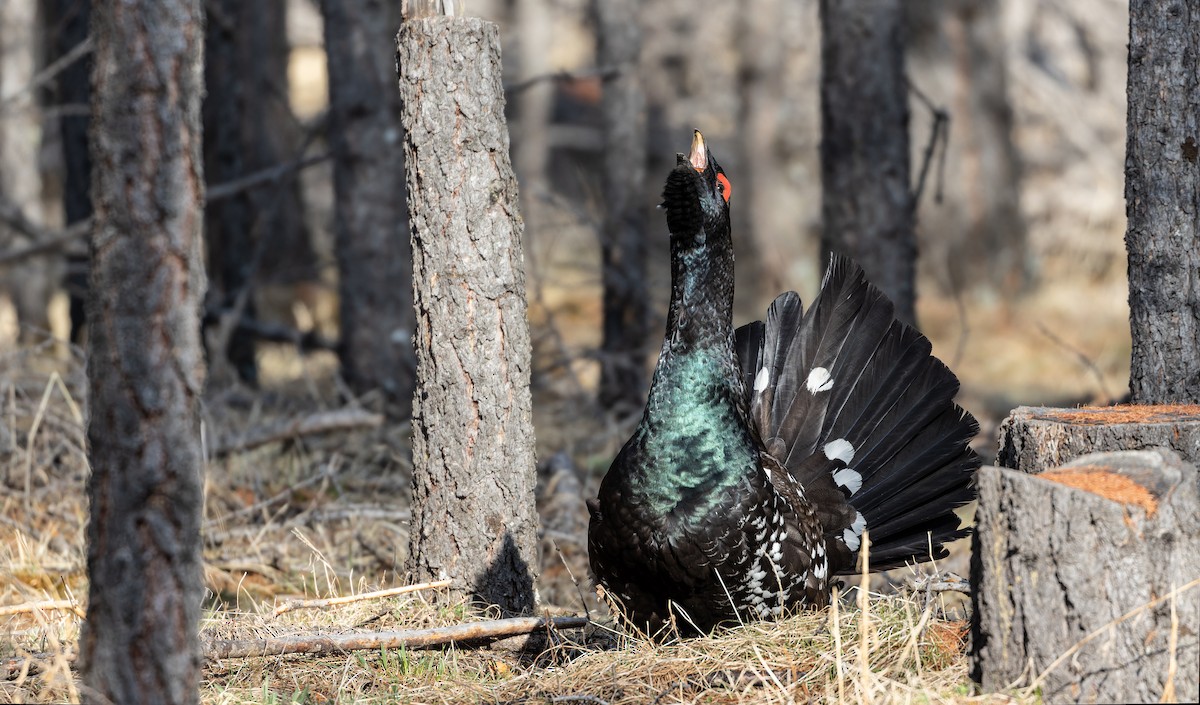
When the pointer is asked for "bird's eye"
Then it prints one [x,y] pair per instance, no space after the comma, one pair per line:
[724,187]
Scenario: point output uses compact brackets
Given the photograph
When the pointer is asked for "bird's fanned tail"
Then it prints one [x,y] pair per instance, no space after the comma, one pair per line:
[853,404]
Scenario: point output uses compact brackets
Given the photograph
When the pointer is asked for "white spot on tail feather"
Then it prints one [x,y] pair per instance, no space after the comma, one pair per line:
[848,478]
[840,449]
[852,534]
[761,380]
[819,380]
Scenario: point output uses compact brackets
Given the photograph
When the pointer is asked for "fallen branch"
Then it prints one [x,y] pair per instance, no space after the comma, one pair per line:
[331,601]
[15,667]
[321,422]
[318,644]
[44,606]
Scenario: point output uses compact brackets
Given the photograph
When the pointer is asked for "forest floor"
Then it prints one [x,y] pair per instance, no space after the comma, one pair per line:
[325,515]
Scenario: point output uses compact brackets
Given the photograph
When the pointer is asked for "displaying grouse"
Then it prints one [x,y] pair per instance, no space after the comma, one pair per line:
[765,453]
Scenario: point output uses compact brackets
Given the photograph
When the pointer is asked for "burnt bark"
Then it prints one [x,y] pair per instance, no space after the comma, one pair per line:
[1060,558]
[1035,438]
[248,127]
[473,448]
[1162,201]
[65,26]
[626,324]
[371,216]
[866,201]
[145,367]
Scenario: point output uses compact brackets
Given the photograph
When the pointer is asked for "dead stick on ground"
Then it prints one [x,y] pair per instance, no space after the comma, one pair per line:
[411,639]
[322,422]
[43,606]
[331,601]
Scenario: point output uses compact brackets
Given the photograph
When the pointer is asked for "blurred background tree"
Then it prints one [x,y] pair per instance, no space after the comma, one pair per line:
[1019,217]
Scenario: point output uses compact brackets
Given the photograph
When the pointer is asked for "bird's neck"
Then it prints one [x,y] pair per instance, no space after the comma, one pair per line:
[698,346]
[694,431]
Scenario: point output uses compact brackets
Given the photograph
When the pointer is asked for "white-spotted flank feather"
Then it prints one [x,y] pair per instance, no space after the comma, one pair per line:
[852,535]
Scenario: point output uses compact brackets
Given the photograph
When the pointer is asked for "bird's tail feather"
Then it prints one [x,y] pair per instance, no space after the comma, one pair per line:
[847,393]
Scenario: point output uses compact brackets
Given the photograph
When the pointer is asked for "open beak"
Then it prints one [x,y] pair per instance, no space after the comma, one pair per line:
[699,154]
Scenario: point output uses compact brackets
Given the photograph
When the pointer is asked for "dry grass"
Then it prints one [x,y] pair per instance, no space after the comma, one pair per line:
[326,517]
[320,517]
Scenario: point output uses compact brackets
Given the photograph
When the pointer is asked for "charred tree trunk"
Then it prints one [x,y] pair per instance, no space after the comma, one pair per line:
[65,27]
[866,201]
[473,467]
[623,240]
[140,642]
[371,217]
[1162,190]
[248,127]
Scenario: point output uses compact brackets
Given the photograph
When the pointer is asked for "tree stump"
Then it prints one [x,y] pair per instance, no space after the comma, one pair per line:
[1073,572]
[1034,438]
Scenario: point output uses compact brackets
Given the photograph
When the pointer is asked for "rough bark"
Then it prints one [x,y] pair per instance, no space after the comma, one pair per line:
[1162,200]
[145,366]
[371,215]
[975,237]
[866,201]
[473,448]
[65,26]
[1063,555]
[248,127]
[1034,438]
[28,285]
[623,238]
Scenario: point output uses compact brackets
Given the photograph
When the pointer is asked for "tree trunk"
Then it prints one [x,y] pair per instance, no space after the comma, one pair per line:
[30,284]
[534,29]
[65,26]
[1064,555]
[140,642]
[866,201]
[623,239]
[1162,193]
[473,447]
[248,127]
[975,236]
[371,216]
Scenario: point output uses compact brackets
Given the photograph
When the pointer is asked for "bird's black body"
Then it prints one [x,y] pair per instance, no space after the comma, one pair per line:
[764,453]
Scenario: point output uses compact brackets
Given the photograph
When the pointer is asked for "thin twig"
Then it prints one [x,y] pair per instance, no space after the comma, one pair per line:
[43,606]
[229,189]
[477,632]
[49,73]
[939,133]
[1079,355]
[602,72]
[378,594]
[321,422]
[328,471]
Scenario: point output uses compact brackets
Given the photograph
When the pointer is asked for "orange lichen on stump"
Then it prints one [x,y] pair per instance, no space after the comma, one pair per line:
[1123,413]
[1104,482]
